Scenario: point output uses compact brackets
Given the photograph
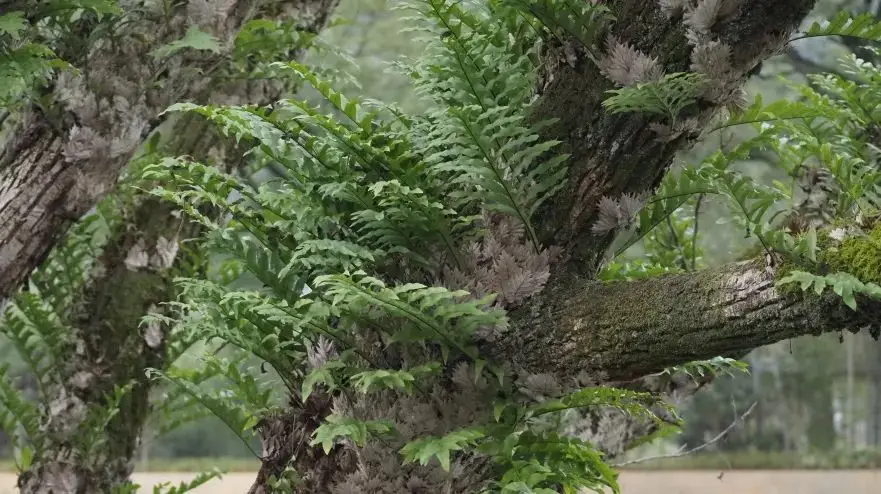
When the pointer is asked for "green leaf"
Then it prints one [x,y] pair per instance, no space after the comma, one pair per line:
[864,26]
[13,23]
[424,449]
[666,97]
[190,485]
[194,38]
[323,375]
[358,431]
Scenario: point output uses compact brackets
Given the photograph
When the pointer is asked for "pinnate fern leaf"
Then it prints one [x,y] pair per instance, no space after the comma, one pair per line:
[666,97]
[864,26]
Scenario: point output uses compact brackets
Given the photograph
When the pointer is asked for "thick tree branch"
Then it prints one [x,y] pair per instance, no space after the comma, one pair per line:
[620,331]
[617,154]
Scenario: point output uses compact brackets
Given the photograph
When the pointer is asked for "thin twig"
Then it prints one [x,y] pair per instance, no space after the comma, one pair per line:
[683,452]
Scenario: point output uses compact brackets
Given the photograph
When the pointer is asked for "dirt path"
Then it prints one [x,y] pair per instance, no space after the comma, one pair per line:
[675,482]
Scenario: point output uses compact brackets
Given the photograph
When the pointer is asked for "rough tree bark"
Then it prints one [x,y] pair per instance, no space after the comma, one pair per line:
[621,331]
[617,154]
[107,348]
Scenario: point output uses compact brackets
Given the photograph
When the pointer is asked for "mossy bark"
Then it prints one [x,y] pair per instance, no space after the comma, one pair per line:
[106,350]
[621,331]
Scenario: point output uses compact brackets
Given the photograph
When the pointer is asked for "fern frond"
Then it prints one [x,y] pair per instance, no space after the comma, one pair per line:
[402,380]
[357,431]
[638,404]
[563,460]
[19,418]
[238,416]
[863,26]
[845,285]
[37,333]
[783,109]
[435,314]
[185,486]
[425,449]
[666,97]
[717,366]
[563,19]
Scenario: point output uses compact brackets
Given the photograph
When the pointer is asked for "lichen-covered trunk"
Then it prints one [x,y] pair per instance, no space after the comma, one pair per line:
[108,347]
[107,352]
[57,164]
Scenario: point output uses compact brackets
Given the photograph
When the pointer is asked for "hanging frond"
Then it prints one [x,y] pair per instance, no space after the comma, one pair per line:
[19,418]
[239,407]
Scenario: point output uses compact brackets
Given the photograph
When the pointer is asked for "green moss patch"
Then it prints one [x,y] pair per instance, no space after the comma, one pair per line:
[857,255]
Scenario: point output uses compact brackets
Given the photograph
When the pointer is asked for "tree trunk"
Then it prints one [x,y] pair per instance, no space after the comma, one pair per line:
[58,164]
[623,330]
[40,196]
[108,349]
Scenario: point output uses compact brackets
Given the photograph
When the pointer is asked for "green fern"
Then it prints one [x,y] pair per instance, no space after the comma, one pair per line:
[19,418]
[636,403]
[435,314]
[667,97]
[845,285]
[783,109]
[864,26]
[563,19]
[239,421]
[401,380]
[357,431]
[188,485]
[717,366]
[427,448]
